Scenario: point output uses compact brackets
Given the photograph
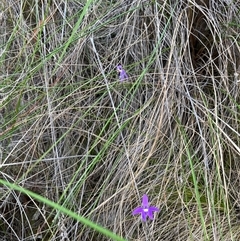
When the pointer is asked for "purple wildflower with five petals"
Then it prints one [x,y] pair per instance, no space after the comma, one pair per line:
[145,210]
[122,73]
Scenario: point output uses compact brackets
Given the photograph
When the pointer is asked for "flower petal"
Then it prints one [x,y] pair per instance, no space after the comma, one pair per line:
[119,68]
[151,210]
[150,215]
[123,75]
[145,201]
[137,211]
[144,216]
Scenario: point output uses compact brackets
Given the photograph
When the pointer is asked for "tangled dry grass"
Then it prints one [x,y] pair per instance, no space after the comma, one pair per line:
[71,132]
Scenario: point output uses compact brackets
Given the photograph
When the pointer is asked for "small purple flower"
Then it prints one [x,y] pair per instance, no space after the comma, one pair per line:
[122,73]
[145,210]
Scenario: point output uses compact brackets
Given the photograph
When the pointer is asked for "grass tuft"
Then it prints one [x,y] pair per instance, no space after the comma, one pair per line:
[79,148]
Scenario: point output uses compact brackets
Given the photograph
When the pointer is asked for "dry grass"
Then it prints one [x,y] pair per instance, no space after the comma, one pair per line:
[73,133]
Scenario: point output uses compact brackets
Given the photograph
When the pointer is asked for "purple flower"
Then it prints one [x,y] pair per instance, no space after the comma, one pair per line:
[122,73]
[145,210]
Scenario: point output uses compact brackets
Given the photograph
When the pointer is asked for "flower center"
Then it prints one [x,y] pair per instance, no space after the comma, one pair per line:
[145,210]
